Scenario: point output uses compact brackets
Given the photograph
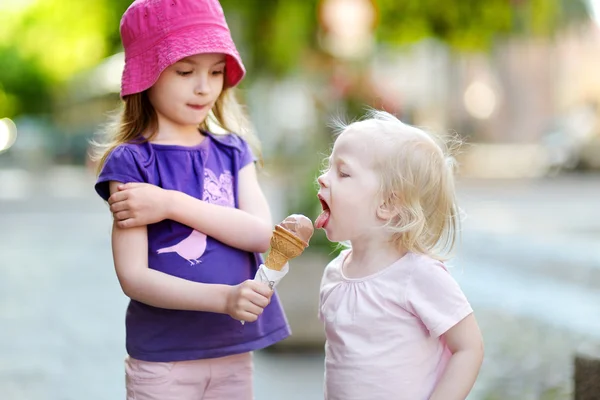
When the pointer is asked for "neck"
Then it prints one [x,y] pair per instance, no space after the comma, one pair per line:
[372,254]
[170,133]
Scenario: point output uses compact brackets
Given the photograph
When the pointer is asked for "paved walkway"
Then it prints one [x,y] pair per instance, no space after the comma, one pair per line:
[61,309]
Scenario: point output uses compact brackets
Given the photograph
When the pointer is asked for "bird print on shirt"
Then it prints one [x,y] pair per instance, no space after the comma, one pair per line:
[216,191]
[191,248]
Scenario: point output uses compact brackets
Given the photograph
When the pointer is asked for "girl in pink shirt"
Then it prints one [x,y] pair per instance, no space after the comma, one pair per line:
[397,324]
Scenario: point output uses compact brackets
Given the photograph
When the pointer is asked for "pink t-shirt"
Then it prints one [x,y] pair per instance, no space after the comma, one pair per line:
[384,331]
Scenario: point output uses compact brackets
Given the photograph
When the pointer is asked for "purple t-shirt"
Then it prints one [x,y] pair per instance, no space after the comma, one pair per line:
[209,172]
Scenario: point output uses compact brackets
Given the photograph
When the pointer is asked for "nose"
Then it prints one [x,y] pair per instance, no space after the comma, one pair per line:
[202,86]
[322,180]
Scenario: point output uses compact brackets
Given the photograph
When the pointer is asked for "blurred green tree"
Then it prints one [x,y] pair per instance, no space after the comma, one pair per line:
[43,43]
[275,32]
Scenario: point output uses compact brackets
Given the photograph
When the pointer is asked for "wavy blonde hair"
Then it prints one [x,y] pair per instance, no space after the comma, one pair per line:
[137,122]
[416,172]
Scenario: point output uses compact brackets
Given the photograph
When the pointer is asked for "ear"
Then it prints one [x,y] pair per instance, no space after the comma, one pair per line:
[385,211]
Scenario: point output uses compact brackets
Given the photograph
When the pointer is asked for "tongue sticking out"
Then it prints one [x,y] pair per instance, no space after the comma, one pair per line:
[322,219]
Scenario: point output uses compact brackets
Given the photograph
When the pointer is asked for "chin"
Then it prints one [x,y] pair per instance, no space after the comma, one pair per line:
[193,118]
[196,119]
[332,237]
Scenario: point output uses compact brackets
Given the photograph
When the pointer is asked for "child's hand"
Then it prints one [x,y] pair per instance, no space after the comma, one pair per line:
[246,301]
[139,204]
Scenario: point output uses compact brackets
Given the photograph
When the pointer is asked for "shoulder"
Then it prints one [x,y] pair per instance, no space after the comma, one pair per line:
[424,266]
[125,163]
[235,147]
[137,153]
[230,140]
[430,277]
[333,270]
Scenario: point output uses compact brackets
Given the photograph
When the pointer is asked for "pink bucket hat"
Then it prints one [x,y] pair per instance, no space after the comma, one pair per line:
[158,33]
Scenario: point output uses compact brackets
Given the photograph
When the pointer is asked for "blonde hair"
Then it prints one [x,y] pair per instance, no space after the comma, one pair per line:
[417,184]
[137,122]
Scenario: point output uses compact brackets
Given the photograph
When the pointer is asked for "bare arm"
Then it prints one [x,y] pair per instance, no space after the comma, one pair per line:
[465,342]
[130,254]
[247,228]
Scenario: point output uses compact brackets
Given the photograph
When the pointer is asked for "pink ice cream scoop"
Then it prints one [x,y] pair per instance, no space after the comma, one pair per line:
[300,226]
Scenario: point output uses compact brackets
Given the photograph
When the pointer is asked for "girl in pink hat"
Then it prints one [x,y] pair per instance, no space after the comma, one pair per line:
[190,219]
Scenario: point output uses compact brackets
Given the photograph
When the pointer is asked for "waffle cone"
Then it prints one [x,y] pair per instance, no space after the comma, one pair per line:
[284,247]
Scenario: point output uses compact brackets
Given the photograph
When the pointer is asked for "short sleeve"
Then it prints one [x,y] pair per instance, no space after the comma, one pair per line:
[435,297]
[122,165]
[246,156]
[241,149]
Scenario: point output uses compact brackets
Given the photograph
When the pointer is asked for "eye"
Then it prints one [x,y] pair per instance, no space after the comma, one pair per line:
[343,174]
[218,72]
[184,73]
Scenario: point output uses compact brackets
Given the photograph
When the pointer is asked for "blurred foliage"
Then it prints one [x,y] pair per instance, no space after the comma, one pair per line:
[462,23]
[277,31]
[45,42]
[273,33]
[473,24]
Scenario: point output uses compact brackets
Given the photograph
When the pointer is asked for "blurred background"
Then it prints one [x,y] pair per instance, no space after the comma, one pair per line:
[517,80]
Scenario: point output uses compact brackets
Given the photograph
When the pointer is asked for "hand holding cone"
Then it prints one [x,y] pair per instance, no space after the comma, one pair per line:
[289,240]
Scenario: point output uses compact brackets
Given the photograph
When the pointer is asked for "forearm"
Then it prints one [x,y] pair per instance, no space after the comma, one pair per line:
[165,291]
[130,256]
[229,225]
[459,377]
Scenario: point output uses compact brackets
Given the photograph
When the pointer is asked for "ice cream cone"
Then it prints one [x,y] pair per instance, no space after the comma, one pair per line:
[284,246]
[289,240]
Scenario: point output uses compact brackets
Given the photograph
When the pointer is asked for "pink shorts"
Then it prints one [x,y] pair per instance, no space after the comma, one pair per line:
[216,378]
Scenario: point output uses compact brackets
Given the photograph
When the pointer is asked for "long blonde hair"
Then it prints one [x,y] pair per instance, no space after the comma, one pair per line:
[137,122]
